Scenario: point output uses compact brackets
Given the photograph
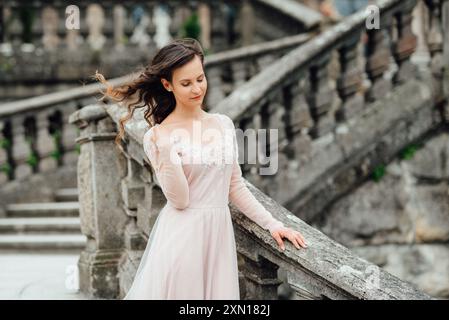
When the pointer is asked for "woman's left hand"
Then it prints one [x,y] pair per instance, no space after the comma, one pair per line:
[294,236]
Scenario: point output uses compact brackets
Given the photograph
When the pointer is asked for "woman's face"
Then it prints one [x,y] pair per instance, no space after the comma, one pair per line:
[189,84]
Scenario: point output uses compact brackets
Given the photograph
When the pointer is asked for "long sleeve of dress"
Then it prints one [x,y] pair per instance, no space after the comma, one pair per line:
[168,168]
[240,195]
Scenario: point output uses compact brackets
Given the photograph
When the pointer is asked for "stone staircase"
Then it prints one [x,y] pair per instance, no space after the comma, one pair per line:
[43,226]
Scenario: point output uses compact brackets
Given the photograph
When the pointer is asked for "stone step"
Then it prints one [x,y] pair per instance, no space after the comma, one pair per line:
[40,225]
[42,242]
[44,209]
[66,194]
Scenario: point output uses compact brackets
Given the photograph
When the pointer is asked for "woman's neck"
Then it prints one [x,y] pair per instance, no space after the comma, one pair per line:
[184,114]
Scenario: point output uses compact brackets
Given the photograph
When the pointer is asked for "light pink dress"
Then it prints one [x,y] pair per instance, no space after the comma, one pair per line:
[191,251]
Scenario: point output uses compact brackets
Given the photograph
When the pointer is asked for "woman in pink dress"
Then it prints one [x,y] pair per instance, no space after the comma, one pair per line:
[191,251]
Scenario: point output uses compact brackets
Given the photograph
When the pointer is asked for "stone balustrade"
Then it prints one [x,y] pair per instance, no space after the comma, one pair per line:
[36,46]
[120,199]
[342,104]
[225,72]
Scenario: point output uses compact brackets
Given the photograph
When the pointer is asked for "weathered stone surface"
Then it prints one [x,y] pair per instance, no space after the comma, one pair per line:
[424,265]
[388,222]
[400,208]
[433,161]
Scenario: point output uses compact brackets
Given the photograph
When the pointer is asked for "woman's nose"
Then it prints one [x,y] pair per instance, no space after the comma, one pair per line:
[196,89]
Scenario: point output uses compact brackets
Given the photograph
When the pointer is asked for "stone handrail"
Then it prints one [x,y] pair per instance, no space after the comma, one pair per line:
[120,200]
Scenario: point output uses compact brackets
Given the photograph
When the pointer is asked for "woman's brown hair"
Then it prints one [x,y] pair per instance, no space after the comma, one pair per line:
[148,88]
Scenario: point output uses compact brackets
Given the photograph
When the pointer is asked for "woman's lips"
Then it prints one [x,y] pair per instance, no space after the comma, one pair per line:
[196,98]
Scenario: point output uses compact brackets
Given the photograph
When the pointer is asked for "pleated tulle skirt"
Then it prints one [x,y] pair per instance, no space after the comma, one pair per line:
[191,255]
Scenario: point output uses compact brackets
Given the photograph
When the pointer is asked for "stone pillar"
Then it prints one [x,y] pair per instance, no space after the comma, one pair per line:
[102,215]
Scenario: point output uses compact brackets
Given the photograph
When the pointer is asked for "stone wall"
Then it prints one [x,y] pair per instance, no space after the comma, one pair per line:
[401,222]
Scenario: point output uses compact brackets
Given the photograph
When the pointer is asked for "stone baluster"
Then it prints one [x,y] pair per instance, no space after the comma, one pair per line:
[133,193]
[264,61]
[162,22]
[4,163]
[300,122]
[21,149]
[320,98]
[405,46]
[2,23]
[377,64]
[141,21]
[420,28]
[218,27]
[215,86]
[73,39]
[205,23]
[435,43]
[350,80]
[50,26]
[239,73]
[95,21]
[69,135]
[250,157]
[181,12]
[258,277]
[296,280]
[103,219]
[44,142]
[277,162]
[277,121]
[119,26]
[247,23]
[445,26]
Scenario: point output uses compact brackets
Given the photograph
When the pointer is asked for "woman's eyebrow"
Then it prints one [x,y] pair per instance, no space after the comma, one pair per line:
[189,79]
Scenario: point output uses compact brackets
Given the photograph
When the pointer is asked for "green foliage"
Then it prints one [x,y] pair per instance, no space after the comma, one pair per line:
[5,143]
[408,152]
[191,27]
[57,153]
[78,148]
[378,172]
[32,159]
[6,168]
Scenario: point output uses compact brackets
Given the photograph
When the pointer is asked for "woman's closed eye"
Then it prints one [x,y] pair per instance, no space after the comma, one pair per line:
[187,84]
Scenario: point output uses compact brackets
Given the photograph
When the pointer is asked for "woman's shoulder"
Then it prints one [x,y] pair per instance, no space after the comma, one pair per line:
[226,120]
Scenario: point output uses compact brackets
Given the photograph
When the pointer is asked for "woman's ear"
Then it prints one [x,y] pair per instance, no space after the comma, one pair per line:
[166,84]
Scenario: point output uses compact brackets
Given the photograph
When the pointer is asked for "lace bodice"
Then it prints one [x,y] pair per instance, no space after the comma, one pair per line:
[193,174]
